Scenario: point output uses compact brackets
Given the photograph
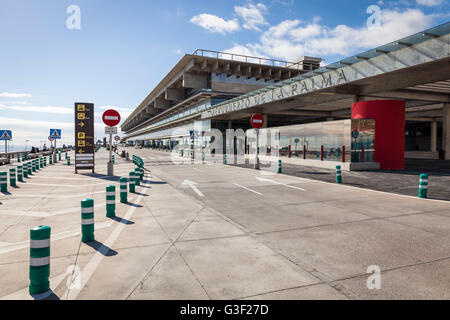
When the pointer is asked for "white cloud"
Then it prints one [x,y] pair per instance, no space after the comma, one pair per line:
[39,109]
[253,15]
[215,24]
[15,95]
[430,3]
[292,39]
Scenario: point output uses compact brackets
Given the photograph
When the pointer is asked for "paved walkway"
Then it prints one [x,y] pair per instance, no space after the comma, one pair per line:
[208,231]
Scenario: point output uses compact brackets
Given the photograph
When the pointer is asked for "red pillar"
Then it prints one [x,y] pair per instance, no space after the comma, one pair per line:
[389,130]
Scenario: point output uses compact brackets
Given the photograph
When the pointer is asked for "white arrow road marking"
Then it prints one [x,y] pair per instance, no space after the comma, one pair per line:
[192,185]
[279,183]
[248,189]
[6,247]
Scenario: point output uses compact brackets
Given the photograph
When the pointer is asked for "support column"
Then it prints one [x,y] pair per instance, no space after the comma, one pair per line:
[433,145]
[446,131]
[265,120]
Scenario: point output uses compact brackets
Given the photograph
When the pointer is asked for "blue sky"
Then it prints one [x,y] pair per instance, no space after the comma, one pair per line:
[124,48]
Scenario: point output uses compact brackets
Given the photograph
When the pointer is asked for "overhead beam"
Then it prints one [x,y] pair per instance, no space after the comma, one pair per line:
[413,95]
[194,81]
[162,104]
[174,94]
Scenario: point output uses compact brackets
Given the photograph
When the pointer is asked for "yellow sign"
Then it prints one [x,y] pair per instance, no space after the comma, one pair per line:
[81,135]
[81,143]
[81,116]
[81,107]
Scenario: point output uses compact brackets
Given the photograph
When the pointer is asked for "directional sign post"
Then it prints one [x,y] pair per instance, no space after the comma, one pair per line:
[111,118]
[257,122]
[84,137]
[6,135]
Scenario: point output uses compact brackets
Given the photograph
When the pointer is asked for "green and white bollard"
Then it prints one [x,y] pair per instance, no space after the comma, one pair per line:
[18,158]
[3,182]
[87,220]
[137,179]
[41,163]
[279,167]
[39,260]
[30,168]
[338,174]
[423,186]
[65,155]
[111,201]
[50,159]
[33,163]
[59,156]
[25,170]
[68,161]
[45,161]
[132,182]
[113,159]
[224,159]
[12,177]
[123,190]
[20,173]
[141,173]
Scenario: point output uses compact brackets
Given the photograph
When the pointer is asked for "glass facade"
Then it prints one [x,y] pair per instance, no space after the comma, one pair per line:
[341,141]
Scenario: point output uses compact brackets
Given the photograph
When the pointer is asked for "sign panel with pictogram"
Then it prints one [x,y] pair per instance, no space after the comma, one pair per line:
[111,118]
[84,137]
[55,133]
[5,135]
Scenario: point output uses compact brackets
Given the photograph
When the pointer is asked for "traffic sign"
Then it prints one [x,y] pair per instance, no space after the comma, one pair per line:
[110,130]
[5,135]
[117,138]
[84,137]
[50,138]
[55,133]
[111,118]
[257,121]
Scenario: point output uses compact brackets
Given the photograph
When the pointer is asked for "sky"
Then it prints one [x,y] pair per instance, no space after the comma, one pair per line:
[54,53]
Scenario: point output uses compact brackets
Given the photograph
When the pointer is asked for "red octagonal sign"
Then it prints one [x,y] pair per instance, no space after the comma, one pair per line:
[111,118]
[257,121]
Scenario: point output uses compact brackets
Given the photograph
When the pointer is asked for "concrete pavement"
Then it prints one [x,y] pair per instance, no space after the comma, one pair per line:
[206,231]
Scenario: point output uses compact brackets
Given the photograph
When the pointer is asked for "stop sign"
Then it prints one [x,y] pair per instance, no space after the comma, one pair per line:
[257,121]
[111,118]
[117,138]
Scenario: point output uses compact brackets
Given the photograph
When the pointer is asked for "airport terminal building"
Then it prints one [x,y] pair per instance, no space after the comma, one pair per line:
[377,107]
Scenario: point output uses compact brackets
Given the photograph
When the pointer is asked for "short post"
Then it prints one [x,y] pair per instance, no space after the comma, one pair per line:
[3,182]
[30,168]
[224,159]
[113,159]
[111,201]
[123,190]
[50,159]
[59,156]
[39,260]
[41,162]
[20,173]
[132,182]
[87,220]
[137,176]
[338,174]
[423,186]
[68,161]
[65,154]
[45,161]
[141,172]
[25,170]
[18,158]
[12,177]
[279,167]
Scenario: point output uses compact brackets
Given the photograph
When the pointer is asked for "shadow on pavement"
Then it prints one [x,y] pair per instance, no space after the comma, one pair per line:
[100,247]
[122,220]
[133,205]
[49,296]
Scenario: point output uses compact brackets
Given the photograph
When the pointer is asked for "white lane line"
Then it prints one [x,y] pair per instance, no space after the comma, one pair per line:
[67,185]
[87,272]
[248,189]
[6,247]
[192,185]
[44,214]
[279,183]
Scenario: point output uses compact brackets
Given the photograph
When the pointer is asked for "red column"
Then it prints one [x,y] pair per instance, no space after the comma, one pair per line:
[389,130]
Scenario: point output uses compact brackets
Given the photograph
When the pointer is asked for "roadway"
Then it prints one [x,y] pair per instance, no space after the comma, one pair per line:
[206,231]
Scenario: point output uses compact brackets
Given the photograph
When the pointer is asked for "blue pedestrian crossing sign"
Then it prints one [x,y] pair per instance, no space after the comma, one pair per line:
[55,134]
[5,135]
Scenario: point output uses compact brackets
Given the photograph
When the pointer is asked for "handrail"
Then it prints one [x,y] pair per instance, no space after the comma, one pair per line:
[218,54]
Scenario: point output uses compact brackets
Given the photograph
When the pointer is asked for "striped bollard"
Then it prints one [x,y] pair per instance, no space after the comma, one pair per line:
[141,174]
[423,186]
[30,168]
[3,182]
[12,177]
[18,158]
[113,159]
[45,161]
[279,167]
[50,159]
[33,163]
[24,157]
[41,163]
[132,182]
[123,190]
[111,201]
[59,156]
[338,174]
[137,173]
[65,155]
[39,260]
[25,170]
[87,220]
[20,173]
[68,161]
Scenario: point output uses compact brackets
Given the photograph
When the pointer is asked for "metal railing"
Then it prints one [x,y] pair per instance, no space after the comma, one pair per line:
[248,59]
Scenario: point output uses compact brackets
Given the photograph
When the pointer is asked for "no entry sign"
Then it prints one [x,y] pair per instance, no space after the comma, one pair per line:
[111,118]
[117,138]
[257,121]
